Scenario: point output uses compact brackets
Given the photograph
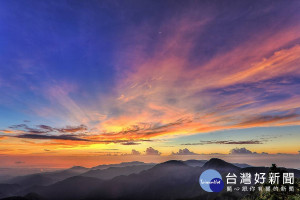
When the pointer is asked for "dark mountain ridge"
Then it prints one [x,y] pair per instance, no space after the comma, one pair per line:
[111,172]
[170,180]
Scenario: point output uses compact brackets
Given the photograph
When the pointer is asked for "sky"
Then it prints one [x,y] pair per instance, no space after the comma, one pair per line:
[94,82]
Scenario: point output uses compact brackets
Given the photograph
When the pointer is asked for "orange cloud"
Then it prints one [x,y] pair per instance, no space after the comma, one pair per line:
[166,92]
[167,86]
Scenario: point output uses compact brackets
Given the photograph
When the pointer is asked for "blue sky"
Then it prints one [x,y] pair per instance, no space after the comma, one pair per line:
[81,76]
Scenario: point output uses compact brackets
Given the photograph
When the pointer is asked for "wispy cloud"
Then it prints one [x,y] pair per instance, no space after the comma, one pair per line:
[53,137]
[47,129]
[193,72]
[130,143]
[19,162]
[269,119]
[244,86]
[226,142]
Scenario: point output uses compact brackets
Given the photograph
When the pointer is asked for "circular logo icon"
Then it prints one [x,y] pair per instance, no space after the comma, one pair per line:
[211,181]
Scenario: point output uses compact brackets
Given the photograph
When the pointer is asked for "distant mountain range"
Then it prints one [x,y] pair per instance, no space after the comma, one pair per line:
[134,180]
[123,164]
[111,172]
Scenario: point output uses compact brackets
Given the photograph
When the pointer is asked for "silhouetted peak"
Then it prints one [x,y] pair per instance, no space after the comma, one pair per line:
[218,163]
[132,163]
[78,168]
[123,164]
[172,163]
[195,163]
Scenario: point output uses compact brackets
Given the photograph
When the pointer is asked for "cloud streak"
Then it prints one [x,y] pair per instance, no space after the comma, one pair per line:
[268,119]
[253,83]
[52,137]
[226,142]
[188,70]
[48,129]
